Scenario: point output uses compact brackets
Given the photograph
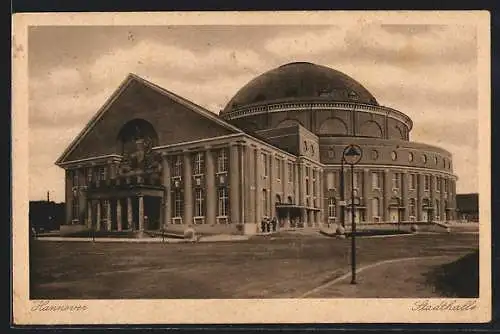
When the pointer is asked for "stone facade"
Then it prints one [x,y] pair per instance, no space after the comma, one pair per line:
[151,160]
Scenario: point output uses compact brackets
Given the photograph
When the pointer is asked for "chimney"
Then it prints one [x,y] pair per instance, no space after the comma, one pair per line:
[48,196]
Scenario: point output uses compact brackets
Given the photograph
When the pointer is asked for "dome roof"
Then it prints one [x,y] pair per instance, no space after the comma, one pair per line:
[301,80]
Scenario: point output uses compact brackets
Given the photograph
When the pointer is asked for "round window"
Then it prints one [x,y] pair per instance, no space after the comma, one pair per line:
[394,155]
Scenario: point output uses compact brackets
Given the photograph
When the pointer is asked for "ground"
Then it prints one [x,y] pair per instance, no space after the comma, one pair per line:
[262,267]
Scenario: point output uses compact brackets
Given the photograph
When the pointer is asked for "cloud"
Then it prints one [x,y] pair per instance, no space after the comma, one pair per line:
[426,71]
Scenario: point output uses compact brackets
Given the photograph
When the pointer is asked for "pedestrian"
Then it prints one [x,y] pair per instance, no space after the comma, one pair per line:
[268,224]
[274,222]
[263,225]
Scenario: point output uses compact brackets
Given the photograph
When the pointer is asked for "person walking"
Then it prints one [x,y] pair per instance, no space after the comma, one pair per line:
[274,223]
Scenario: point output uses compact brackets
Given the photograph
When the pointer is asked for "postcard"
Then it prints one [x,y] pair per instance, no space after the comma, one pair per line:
[251,167]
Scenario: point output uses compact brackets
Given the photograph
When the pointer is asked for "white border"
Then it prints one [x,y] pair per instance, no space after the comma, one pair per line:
[239,311]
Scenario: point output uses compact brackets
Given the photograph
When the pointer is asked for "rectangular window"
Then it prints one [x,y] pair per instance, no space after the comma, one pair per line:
[426,182]
[178,204]
[290,172]
[376,180]
[307,188]
[332,209]
[105,209]
[438,184]
[396,180]
[264,164]
[89,175]
[277,167]
[199,164]
[199,203]
[446,185]
[222,161]
[330,180]
[102,173]
[222,202]
[357,180]
[412,181]
[177,170]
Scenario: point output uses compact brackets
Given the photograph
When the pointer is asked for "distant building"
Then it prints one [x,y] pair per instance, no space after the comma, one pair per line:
[150,159]
[468,207]
[46,215]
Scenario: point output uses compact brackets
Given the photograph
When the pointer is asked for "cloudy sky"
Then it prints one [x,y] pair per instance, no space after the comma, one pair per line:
[428,72]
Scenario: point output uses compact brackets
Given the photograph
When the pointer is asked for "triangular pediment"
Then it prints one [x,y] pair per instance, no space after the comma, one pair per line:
[174,119]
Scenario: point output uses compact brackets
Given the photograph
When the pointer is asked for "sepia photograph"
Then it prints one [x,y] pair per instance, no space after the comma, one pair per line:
[251,167]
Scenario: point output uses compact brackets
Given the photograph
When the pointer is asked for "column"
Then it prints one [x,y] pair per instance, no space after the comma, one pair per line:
[296,183]
[188,190]
[432,196]
[243,182]
[312,215]
[284,164]
[234,183]
[98,218]
[129,214]
[141,213]
[272,181]
[321,197]
[387,195]
[167,210]
[366,185]
[442,214]
[69,197]
[108,215]
[404,196]
[210,191]
[258,186]
[89,213]
[420,196]
[249,190]
[119,214]
[302,192]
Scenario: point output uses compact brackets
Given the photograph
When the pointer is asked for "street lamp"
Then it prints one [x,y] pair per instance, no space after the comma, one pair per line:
[342,195]
[352,155]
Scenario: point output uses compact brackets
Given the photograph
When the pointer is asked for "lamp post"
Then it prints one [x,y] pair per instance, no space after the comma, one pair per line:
[352,155]
[342,198]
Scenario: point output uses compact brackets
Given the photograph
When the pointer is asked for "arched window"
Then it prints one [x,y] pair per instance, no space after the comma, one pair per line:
[332,208]
[370,129]
[333,126]
[278,199]
[134,130]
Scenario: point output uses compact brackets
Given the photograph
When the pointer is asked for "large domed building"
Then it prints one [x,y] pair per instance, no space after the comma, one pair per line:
[151,160]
